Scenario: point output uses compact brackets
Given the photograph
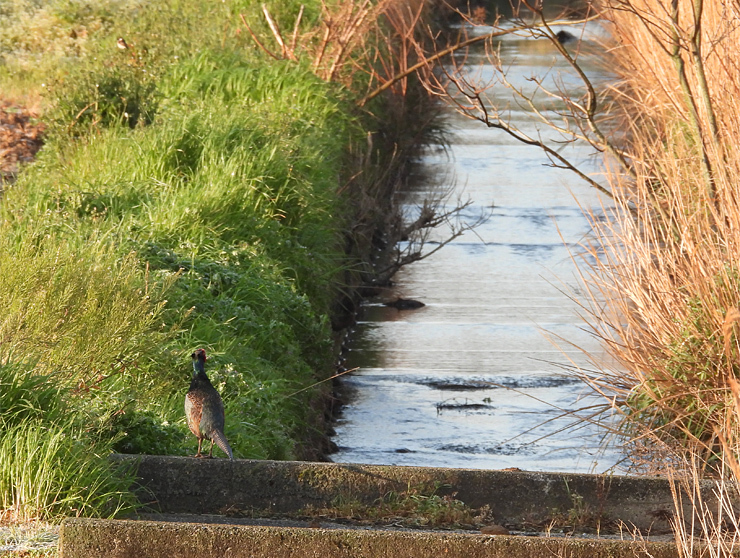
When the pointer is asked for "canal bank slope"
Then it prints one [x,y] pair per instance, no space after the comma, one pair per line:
[192,192]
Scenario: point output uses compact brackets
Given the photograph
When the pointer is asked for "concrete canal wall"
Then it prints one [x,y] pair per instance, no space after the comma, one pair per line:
[206,508]
[516,498]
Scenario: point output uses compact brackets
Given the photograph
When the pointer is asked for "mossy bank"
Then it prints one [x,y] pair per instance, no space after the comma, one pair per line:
[192,192]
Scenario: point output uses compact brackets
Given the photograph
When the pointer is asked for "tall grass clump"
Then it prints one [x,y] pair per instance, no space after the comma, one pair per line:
[54,460]
[666,265]
[77,317]
[56,470]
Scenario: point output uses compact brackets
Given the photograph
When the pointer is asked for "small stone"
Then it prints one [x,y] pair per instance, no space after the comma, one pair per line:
[405,304]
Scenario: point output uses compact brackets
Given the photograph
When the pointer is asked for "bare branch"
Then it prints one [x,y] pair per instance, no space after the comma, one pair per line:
[417,231]
[256,39]
[296,27]
[275,29]
[679,64]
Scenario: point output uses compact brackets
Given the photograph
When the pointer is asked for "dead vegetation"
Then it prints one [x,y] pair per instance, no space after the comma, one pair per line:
[664,287]
[417,506]
[21,136]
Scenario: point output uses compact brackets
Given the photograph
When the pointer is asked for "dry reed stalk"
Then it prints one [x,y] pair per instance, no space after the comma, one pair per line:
[666,264]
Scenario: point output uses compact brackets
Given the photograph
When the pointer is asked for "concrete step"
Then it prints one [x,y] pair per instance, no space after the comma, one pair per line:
[206,507]
[515,498]
[88,538]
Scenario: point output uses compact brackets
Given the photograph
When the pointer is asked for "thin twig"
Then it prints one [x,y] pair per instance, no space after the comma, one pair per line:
[256,40]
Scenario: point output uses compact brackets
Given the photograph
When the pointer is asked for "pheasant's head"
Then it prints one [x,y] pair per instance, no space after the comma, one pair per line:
[199,362]
[199,355]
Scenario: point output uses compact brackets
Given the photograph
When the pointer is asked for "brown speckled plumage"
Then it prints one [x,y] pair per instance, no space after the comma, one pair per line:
[204,409]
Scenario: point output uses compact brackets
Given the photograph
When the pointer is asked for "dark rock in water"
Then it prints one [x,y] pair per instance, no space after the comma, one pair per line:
[564,37]
[494,530]
[405,304]
[461,406]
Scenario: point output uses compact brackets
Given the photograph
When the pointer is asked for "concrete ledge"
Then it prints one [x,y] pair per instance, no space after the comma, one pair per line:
[516,498]
[88,538]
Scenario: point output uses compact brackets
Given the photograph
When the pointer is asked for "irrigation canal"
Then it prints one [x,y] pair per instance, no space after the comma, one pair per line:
[475,378]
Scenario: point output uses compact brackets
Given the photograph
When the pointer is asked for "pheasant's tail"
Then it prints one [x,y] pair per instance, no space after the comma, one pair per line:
[218,437]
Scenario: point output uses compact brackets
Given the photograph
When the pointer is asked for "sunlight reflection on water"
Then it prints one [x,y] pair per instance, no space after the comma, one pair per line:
[473,379]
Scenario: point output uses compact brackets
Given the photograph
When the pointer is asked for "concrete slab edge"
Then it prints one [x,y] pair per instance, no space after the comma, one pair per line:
[220,486]
[87,538]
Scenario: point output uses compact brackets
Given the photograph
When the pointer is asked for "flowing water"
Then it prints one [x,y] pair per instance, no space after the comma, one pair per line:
[473,379]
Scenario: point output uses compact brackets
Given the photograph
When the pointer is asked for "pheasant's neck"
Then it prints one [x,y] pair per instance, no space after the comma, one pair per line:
[199,370]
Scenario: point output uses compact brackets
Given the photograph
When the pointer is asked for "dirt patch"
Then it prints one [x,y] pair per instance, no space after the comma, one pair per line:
[21,136]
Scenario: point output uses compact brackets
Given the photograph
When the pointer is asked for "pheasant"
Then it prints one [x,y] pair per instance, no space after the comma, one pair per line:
[204,409]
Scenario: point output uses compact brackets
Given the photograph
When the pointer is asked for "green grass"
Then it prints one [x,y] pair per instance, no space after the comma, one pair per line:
[186,197]
[54,452]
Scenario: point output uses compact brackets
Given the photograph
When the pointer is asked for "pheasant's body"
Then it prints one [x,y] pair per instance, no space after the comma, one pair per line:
[204,409]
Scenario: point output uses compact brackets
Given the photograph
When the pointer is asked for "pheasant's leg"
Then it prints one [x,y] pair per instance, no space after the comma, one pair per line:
[210,453]
[200,441]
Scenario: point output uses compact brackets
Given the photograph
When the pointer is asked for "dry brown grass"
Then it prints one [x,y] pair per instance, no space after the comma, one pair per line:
[367,42]
[31,539]
[665,287]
